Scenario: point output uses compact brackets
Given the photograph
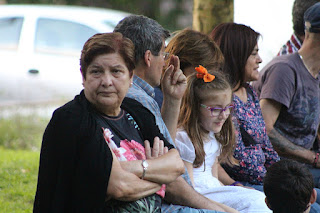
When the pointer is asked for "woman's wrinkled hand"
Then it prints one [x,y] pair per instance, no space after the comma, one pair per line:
[157,150]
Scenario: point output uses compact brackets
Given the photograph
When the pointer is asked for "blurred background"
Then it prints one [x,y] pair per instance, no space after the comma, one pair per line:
[40,46]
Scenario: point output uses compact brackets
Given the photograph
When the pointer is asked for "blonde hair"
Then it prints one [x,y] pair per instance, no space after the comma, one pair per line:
[189,118]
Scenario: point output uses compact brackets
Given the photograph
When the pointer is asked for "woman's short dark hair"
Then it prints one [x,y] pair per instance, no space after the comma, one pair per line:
[288,186]
[105,43]
[236,42]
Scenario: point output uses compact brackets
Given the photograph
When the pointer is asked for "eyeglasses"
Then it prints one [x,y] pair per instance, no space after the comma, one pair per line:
[165,55]
[216,111]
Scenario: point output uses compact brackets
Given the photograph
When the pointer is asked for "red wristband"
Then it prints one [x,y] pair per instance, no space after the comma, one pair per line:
[316,158]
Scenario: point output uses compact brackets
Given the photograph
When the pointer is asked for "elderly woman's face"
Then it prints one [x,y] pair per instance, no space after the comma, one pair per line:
[107,82]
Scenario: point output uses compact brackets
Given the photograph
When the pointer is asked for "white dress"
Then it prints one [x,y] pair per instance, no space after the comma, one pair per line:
[242,199]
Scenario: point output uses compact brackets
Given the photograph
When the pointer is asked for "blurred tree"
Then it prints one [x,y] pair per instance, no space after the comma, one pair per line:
[209,13]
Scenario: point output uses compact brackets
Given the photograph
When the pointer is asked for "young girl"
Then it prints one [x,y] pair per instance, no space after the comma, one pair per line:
[206,137]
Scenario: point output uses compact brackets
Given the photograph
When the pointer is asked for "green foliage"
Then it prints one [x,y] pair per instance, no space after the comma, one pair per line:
[18,175]
[22,132]
[168,17]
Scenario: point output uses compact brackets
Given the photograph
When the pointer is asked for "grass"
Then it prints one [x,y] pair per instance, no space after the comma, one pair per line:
[22,132]
[18,175]
[20,139]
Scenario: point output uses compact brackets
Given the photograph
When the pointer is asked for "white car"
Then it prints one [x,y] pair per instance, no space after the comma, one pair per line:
[40,47]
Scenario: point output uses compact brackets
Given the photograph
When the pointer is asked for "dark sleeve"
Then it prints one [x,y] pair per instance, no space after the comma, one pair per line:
[158,96]
[279,84]
[145,120]
[75,166]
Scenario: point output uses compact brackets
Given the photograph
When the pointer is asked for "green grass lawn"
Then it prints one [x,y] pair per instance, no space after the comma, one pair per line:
[18,180]
[20,139]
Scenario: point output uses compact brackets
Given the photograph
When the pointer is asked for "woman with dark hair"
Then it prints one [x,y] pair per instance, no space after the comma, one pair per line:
[239,45]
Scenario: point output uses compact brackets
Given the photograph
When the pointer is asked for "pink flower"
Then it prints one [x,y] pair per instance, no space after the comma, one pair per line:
[134,150]
[116,152]
[162,191]
[107,134]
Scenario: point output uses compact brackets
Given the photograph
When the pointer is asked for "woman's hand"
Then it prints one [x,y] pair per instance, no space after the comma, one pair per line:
[157,150]
[125,185]
[161,167]
[164,165]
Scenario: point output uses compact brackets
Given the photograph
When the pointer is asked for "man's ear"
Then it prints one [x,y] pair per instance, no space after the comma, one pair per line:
[148,58]
[266,201]
[313,197]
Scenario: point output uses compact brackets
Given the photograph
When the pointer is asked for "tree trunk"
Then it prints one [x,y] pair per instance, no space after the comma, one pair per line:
[209,13]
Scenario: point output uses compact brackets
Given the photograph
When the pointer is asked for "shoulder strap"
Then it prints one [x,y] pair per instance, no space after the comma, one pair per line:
[246,138]
[249,90]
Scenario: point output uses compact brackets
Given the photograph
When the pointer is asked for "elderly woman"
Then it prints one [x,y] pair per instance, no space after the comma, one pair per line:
[239,45]
[102,152]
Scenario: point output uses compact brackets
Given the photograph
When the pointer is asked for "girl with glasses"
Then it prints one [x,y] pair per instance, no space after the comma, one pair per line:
[205,137]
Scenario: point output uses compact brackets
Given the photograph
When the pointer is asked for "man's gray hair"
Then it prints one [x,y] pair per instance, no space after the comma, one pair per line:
[144,32]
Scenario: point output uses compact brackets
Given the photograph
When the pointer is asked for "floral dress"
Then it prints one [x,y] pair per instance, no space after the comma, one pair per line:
[254,158]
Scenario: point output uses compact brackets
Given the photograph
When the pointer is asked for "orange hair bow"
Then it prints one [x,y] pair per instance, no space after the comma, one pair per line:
[203,73]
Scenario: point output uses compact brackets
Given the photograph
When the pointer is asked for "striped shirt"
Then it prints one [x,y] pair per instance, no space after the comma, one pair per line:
[293,45]
[144,93]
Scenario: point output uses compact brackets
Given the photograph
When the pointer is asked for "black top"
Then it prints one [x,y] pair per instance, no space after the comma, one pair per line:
[75,161]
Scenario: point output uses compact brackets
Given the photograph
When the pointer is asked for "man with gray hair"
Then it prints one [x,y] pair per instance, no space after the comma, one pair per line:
[149,38]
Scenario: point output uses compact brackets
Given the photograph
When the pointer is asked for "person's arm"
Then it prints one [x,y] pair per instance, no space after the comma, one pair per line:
[284,147]
[160,169]
[179,192]
[270,154]
[224,177]
[189,167]
[173,83]
[126,186]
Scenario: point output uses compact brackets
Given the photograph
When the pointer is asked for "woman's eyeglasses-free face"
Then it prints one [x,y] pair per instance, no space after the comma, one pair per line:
[216,111]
